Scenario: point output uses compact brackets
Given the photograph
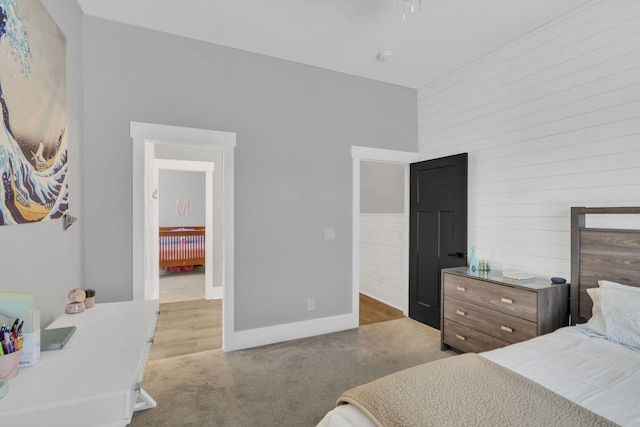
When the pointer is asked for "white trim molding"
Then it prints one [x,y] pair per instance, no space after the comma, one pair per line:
[290,331]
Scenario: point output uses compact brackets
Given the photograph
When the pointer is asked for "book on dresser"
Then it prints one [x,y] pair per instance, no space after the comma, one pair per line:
[483,311]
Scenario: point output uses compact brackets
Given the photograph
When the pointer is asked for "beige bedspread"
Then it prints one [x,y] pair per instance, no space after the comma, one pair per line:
[465,390]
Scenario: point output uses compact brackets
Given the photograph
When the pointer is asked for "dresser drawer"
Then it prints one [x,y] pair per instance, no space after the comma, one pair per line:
[469,340]
[499,325]
[514,301]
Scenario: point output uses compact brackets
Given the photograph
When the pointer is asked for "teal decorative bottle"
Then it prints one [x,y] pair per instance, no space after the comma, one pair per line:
[473,261]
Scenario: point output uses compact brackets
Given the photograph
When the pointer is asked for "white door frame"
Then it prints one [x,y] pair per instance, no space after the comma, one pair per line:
[367,154]
[145,136]
[153,245]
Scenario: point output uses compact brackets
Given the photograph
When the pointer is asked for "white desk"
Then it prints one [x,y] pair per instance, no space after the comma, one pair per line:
[95,379]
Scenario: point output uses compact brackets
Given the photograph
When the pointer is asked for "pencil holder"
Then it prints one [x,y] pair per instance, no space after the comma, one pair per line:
[9,365]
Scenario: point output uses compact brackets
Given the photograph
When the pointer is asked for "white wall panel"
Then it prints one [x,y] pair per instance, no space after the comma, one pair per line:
[550,121]
[383,259]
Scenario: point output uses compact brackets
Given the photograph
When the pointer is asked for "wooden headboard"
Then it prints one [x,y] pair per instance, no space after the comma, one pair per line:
[600,254]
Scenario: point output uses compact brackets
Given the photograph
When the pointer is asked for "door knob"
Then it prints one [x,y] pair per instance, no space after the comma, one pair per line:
[457,254]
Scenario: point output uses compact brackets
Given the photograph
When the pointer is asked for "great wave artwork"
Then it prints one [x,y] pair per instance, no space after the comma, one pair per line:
[33,97]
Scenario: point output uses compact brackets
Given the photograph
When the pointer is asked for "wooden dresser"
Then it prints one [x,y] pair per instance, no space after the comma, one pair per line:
[483,311]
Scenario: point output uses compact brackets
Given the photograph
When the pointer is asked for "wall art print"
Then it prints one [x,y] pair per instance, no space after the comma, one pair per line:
[33,97]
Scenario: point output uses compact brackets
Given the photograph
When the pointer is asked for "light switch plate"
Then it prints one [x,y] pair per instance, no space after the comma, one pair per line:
[329,234]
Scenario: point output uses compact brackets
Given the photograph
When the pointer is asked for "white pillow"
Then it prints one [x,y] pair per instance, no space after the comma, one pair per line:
[596,323]
[620,310]
[615,285]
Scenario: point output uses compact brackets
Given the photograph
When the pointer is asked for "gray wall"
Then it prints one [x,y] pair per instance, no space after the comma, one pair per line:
[40,258]
[295,125]
[381,188]
[181,185]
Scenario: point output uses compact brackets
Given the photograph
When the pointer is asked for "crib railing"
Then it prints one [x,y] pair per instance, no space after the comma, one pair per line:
[182,246]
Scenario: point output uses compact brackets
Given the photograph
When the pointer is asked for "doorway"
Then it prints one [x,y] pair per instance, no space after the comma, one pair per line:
[383,235]
[366,154]
[148,139]
[194,179]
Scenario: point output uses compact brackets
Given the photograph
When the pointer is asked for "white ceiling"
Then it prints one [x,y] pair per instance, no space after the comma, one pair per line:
[346,35]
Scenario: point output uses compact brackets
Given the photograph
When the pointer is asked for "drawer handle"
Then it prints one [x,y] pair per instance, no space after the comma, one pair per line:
[461,313]
[506,300]
[506,328]
[150,341]
[137,387]
[460,337]
[461,289]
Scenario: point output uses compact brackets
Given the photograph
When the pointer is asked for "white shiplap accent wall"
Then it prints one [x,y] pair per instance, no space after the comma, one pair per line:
[383,259]
[550,121]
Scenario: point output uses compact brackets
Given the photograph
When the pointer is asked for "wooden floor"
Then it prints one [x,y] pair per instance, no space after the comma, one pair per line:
[192,326]
[374,311]
[187,327]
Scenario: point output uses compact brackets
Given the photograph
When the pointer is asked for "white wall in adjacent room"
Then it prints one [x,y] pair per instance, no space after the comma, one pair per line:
[383,233]
[383,258]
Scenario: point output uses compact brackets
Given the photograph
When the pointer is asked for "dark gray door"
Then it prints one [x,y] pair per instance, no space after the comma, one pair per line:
[438,231]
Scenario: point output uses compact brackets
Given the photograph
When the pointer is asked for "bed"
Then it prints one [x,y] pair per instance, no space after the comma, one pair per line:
[585,374]
[181,248]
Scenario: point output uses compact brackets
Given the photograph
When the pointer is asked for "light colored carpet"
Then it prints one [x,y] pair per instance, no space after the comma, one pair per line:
[288,384]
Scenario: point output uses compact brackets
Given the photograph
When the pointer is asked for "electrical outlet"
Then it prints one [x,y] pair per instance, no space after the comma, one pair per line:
[329,234]
[311,304]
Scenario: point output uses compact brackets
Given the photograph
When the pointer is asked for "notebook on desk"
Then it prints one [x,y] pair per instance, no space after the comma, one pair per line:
[56,338]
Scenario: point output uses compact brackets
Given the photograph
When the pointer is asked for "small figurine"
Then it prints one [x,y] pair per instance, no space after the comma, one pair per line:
[75,301]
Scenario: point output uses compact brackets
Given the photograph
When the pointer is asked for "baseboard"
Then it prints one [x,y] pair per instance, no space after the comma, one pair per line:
[290,331]
[215,293]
